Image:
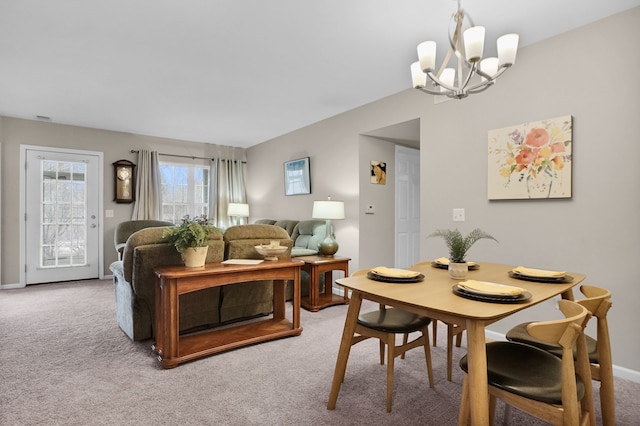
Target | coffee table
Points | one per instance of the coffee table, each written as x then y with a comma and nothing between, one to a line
173,281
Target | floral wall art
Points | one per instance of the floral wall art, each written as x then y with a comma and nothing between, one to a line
531,160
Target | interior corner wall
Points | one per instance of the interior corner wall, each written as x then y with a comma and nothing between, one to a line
376,242
595,232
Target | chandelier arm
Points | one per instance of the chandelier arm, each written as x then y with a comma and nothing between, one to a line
488,83
431,92
473,70
436,80
480,88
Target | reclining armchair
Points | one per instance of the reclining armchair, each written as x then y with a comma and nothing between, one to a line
125,229
135,283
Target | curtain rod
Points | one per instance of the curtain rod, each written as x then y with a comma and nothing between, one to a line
135,151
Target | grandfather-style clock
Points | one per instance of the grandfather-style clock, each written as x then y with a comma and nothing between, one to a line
124,178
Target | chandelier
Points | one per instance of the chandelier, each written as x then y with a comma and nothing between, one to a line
474,74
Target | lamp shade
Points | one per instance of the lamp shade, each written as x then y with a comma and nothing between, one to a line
328,210
238,209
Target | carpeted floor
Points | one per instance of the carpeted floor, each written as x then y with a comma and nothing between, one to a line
64,361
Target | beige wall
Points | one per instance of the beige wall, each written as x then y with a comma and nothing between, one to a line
114,145
595,232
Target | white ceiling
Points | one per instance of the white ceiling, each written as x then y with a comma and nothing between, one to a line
236,72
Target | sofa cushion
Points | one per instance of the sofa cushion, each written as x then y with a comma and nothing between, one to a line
299,251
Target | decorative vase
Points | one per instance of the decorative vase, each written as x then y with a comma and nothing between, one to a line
458,271
195,257
540,186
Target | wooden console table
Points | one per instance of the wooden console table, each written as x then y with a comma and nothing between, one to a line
316,265
173,281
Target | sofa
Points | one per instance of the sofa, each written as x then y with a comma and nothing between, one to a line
306,234
134,281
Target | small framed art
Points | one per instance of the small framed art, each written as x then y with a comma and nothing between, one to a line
297,179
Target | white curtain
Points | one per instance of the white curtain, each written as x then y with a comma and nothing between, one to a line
147,205
230,188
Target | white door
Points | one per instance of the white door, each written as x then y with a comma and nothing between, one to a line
407,206
62,190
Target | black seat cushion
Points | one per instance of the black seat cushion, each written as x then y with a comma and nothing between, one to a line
519,334
392,320
525,370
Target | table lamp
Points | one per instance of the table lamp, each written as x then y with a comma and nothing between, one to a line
238,210
328,210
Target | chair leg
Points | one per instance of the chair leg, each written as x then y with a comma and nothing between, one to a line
464,412
405,339
391,354
382,347
427,355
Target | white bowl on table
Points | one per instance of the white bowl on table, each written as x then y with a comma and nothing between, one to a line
271,252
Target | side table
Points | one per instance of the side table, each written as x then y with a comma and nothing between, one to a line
316,265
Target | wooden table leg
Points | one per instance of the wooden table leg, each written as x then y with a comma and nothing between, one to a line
279,297
345,347
478,388
296,299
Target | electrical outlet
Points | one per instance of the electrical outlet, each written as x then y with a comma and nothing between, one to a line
458,215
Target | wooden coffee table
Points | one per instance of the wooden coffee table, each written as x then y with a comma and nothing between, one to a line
316,265
173,281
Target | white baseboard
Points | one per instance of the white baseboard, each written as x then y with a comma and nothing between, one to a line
10,286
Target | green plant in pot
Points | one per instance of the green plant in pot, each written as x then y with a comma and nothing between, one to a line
458,247
189,239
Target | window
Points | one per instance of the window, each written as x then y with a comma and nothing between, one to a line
184,190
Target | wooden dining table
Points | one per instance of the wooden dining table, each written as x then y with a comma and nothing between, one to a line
434,297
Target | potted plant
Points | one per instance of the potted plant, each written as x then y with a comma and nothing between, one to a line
458,247
189,239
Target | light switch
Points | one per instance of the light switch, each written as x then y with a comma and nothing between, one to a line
458,215
108,213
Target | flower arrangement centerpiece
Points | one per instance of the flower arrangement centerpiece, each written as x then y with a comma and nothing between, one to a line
458,247
189,238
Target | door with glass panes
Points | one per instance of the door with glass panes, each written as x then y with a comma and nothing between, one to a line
61,216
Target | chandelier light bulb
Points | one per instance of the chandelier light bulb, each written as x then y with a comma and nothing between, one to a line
507,49
427,55
474,43
418,77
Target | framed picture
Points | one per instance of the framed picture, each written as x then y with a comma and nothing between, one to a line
531,160
379,172
296,177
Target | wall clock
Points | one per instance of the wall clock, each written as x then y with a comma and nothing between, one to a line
124,178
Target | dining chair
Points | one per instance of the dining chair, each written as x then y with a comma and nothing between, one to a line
556,390
598,302
453,331
384,324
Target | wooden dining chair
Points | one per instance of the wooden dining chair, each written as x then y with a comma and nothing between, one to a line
453,331
384,324
556,390
598,302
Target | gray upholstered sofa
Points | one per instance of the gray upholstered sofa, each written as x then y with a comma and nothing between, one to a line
134,281
306,234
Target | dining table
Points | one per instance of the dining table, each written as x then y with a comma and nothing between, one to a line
438,297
